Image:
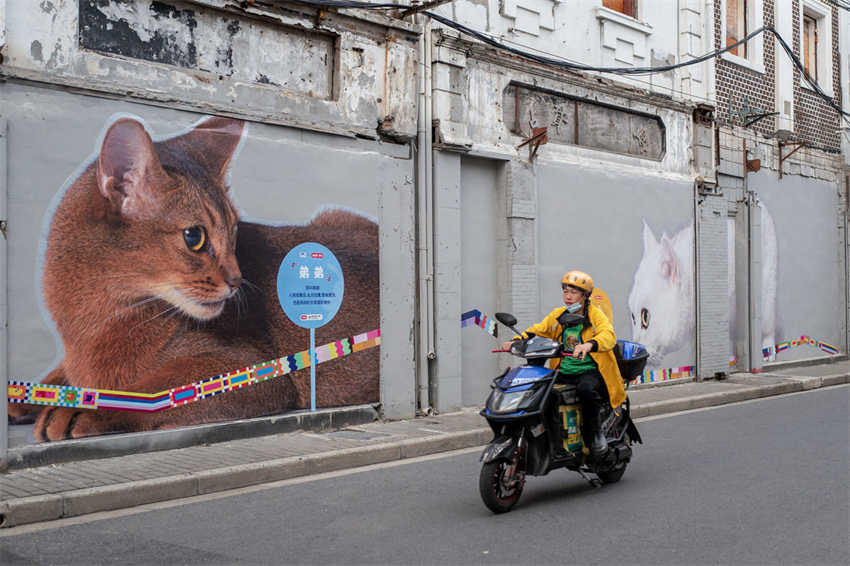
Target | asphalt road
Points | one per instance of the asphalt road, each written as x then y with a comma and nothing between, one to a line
764,482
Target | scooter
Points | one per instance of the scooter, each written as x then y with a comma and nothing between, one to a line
537,422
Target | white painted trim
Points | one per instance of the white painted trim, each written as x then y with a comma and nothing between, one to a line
755,47
603,13
823,13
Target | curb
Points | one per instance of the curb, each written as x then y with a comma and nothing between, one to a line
110,446
39,508
83,501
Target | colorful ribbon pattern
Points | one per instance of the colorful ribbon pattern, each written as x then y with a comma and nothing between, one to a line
86,398
656,375
477,318
822,346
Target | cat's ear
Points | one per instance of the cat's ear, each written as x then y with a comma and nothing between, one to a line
669,261
649,241
216,139
128,169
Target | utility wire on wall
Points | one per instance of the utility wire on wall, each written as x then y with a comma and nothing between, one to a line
573,66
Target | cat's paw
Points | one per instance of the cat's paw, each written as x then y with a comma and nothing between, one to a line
55,423
92,423
20,414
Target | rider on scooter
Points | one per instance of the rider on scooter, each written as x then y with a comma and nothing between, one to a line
596,378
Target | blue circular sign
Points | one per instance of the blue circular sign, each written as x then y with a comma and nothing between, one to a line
310,285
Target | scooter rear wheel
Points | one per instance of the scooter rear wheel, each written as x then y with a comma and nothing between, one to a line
499,494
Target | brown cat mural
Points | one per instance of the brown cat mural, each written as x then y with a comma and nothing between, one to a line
154,282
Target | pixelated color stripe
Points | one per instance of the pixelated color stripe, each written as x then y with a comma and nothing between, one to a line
801,341
86,398
653,376
479,319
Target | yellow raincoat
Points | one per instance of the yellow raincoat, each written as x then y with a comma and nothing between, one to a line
601,330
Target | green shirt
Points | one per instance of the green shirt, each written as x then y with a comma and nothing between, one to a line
570,365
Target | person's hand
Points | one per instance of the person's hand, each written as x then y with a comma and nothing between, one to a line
506,346
581,350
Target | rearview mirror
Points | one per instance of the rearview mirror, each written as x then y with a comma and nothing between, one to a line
508,320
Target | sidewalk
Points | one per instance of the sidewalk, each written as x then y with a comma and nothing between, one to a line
75,488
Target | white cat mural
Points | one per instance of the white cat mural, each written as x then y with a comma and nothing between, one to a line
662,303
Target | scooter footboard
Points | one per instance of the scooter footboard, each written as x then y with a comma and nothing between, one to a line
501,447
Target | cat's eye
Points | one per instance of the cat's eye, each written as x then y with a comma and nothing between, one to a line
644,318
195,238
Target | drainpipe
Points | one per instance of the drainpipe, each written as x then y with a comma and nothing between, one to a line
4,311
425,223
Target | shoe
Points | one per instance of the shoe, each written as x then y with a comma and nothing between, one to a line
599,446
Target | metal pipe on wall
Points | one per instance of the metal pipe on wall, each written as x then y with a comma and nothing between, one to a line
425,223
4,310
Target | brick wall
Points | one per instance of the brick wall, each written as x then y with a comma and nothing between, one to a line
814,120
738,86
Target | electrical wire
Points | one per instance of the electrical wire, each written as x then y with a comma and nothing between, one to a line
563,64
570,65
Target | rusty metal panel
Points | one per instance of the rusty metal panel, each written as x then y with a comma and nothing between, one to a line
238,48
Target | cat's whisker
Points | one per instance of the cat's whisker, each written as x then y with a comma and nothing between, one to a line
134,305
172,308
251,285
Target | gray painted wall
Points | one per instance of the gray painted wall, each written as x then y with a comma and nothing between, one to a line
810,286
593,220
482,263
281,175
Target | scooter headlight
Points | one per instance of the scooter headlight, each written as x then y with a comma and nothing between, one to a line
509,401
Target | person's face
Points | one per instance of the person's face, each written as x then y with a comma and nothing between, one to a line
572,295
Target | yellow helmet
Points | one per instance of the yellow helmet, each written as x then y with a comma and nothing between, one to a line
579,280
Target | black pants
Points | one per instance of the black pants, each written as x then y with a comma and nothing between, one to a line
592,394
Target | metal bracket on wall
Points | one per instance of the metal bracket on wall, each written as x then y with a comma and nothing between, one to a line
797,146
538,138
752,118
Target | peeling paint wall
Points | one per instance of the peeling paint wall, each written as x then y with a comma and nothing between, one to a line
288,64
472,109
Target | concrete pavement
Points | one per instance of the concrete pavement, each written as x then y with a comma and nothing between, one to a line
74,488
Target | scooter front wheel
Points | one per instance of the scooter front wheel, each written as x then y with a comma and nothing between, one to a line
500,491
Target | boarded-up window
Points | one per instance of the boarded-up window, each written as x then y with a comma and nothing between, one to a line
810,46
736,26
581,122
627,7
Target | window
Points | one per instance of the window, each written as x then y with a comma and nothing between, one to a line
627,7
736,26
810,46
816,43
739,18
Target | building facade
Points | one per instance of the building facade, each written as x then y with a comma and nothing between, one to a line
708,200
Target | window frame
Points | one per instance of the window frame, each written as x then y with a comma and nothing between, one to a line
632,3
754,60
822,14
